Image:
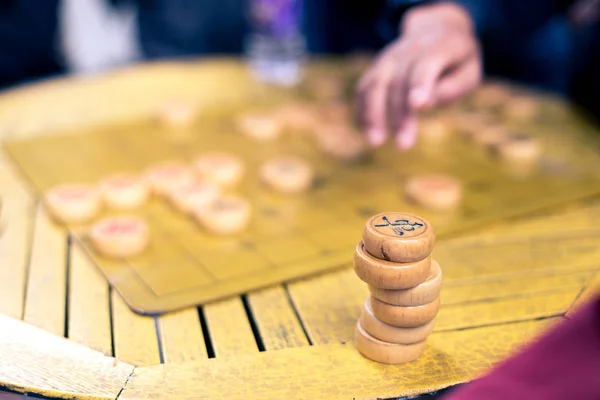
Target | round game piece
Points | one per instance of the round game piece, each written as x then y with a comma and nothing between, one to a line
120,237
124,191
405,317
392,334
384,352
166,176
73,203
177,113
423,293
521,107
188,198
398,237
287,174
490,136
434,192
336,112
223,169
519,149
326,87
259,126
340,142
224,216
433,130
297,116
492,94
389,275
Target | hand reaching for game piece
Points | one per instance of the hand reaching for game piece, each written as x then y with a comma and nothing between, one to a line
435,60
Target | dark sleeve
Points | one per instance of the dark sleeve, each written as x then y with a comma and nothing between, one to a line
179,28
564,363
482,12
28,35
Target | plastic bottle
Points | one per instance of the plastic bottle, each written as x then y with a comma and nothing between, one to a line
275,44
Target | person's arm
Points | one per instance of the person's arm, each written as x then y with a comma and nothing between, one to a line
435,60
564,363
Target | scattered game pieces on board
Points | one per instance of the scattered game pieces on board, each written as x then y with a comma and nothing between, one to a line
281,236
405,287
73,203
124,191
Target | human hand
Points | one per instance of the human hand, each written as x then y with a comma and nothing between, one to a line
435,60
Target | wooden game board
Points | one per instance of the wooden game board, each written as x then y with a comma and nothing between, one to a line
291,236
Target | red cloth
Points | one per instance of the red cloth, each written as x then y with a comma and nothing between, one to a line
564,364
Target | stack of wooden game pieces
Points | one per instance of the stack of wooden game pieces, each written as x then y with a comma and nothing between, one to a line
405,283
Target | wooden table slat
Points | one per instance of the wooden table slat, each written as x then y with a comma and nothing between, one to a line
36,361
134,335
89,311
181,336
47,281
334,371
276,319
16,225
229,328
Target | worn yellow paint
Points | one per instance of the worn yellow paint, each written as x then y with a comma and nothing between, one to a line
519,270
181,336
329,305
504,310
457,292
134,335
47,280
277,322
590,291
35,361
229,328
16,221
334,371
89,314
289,237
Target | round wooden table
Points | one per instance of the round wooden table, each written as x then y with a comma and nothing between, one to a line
65,334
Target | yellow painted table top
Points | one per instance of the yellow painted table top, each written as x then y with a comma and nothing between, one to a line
290,236
65,333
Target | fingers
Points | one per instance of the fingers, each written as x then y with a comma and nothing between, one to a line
372,100
406,135
459,82
428,70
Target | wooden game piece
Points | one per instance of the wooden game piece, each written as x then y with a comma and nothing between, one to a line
73,203
405,317
434,191
341,142
326,87
434,130
120,237
423,293
124,191
336,112
177,113
389,275
521,149
490,136
287,174
166,176
224,216
384,352
398,237
392,334
224,169
261,127
492,94
187,198
297,116
521,107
